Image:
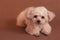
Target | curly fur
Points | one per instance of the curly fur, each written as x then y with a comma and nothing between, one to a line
33,27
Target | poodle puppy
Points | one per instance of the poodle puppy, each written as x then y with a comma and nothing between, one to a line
37,20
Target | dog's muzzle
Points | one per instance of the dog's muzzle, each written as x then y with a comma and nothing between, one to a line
38,21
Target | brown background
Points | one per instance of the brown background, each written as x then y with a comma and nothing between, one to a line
9,9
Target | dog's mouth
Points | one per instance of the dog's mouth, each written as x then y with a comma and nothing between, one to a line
38,23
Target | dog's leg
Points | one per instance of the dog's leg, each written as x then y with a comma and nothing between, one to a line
37,34
32,30
46,29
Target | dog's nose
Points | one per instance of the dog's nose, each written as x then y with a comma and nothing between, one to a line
38,21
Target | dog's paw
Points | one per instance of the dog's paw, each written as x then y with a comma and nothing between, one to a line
37,35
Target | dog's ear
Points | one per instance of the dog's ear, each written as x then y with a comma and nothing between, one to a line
28,13
22,15
51,16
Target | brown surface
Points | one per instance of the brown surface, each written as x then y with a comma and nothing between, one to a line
9,9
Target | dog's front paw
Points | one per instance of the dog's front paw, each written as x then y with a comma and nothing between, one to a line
36,34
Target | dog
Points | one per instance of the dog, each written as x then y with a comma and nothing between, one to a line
37,20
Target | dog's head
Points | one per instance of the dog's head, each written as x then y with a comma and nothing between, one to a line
39,15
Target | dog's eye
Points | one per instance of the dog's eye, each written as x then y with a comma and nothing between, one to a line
42,17
35,16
